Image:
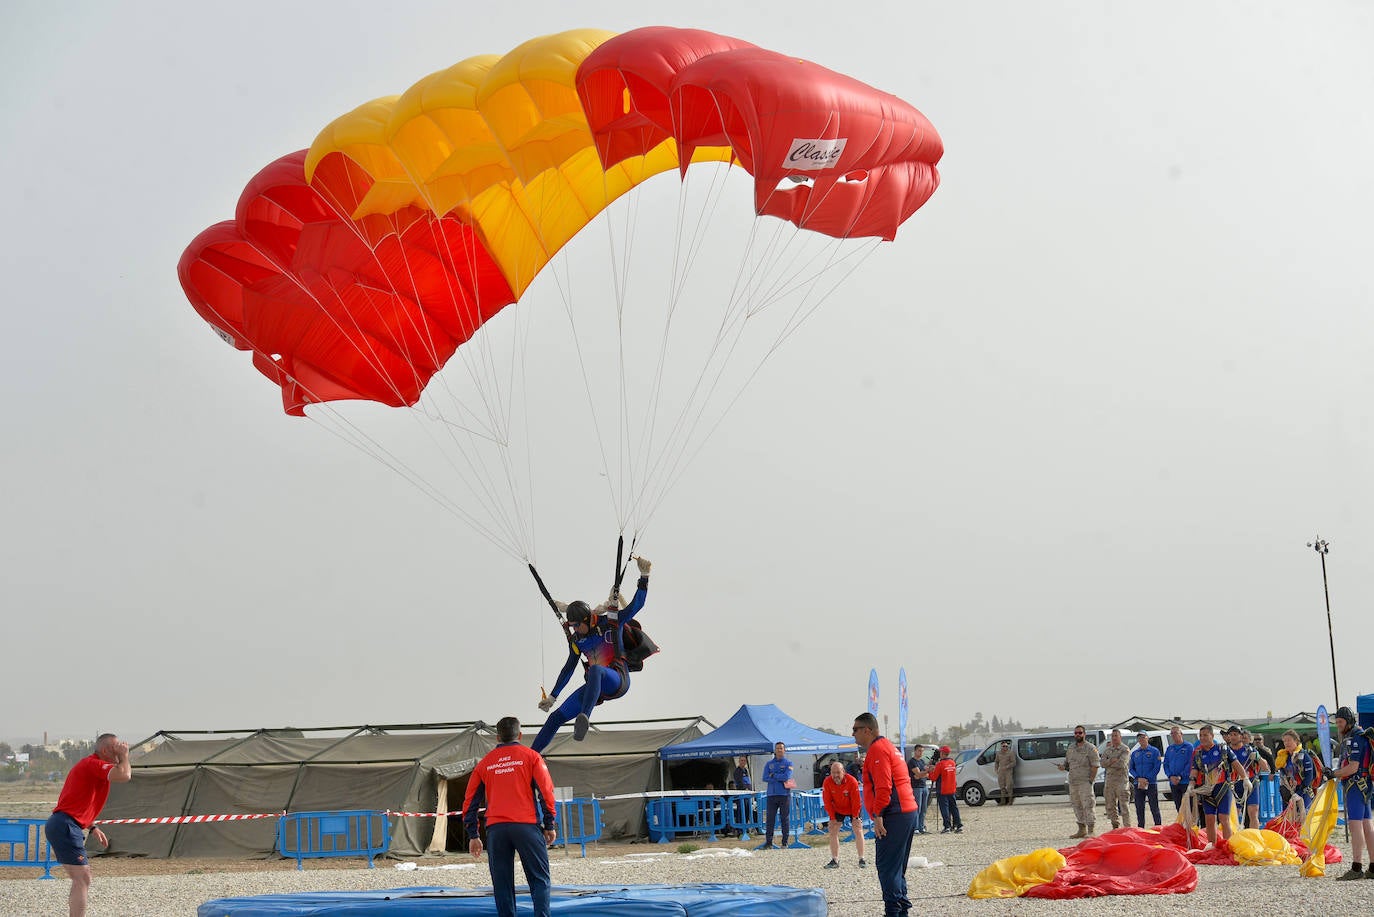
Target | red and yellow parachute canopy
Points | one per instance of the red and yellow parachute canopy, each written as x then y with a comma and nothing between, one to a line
357,268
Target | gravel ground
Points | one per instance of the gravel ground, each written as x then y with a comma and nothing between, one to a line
167,887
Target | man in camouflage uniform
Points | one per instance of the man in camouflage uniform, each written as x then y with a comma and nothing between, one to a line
1081,762
1006,770
1116,791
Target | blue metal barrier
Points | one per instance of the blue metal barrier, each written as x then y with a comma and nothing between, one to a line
1268,796
353,833
570,821
808,808
24,843
744,812
671,816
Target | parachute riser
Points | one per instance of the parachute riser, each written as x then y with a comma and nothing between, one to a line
553,606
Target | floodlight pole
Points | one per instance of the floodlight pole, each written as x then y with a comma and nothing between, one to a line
1322,549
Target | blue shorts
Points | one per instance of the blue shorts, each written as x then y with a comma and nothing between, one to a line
1217,802
66,839
1356,806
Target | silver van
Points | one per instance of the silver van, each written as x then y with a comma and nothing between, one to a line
1038,756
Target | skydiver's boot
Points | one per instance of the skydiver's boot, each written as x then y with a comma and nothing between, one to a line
580,727
1082,832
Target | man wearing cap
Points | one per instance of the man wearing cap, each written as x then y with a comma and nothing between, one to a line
1116,792
1006,770
1144,771
1081,761
947,786
1353,772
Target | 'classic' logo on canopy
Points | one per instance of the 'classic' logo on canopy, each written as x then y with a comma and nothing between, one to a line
813,155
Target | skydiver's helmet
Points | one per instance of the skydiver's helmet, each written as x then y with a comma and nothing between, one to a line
579,613
1345,713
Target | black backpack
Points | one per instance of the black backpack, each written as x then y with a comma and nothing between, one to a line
638,645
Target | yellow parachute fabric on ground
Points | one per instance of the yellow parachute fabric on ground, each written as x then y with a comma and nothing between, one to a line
1011,877
1316,828
1261,847
502,143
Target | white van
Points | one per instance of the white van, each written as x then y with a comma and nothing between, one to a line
1038,756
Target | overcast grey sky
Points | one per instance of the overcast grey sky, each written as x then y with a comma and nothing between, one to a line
1056,450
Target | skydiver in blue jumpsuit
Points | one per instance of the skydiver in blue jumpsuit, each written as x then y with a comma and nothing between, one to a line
596,634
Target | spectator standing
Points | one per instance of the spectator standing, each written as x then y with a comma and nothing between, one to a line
1144,771
1299,769
1215,770
1006,773
1247,790
919,788
1264,751
887,795
947,786
855,768
1354,773
1081,761
1178,766
506,781
777,775
840,796
82,797
740,775
1116,790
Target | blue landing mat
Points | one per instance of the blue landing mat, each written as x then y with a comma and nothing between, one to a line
701,900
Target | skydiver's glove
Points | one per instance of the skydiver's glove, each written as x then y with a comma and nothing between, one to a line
644,564
562,608
1328,773
546,703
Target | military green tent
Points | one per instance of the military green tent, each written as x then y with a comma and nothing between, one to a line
419,768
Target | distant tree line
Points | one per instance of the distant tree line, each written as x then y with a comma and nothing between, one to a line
978,726
42,764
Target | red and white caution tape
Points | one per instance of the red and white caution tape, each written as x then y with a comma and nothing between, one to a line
202,819
184,819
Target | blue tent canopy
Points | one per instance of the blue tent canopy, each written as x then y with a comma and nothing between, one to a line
753,730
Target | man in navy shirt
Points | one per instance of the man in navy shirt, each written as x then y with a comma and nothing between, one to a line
1143,772
1178,766
777,774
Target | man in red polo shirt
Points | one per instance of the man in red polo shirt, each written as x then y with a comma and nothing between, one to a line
514,785
83,796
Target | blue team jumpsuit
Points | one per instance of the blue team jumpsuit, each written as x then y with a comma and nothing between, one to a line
606,677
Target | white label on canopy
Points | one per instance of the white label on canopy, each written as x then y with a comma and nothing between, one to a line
813,155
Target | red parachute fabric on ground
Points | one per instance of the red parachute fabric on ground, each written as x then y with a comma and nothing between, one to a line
1177,835
1119,867
1220,855
1121,836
